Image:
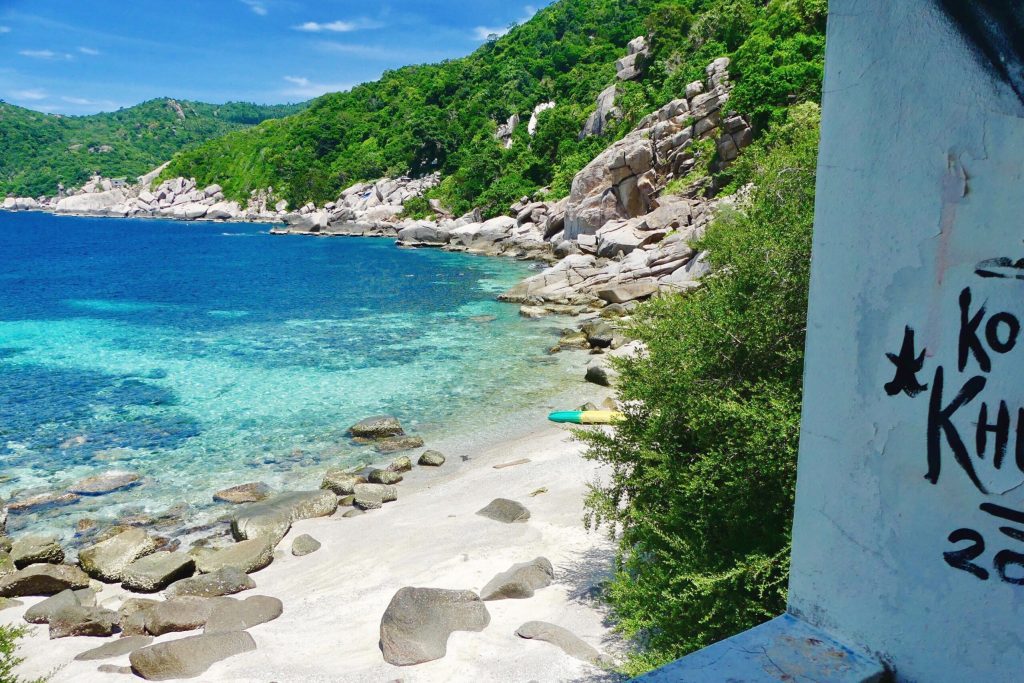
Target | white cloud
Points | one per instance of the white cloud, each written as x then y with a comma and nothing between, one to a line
33,95
91,51
303,87
485,32
44,54
5,29
257,6
339,26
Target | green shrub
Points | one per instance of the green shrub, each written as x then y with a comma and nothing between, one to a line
9,660
703,468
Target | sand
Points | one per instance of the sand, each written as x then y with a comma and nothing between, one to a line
431,537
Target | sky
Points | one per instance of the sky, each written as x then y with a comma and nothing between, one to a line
85,56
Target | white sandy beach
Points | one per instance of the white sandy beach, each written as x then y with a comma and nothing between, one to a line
431,537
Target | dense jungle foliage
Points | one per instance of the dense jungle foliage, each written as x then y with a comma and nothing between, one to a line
40,150
704,466
444,116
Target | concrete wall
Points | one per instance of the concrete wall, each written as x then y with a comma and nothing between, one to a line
904,540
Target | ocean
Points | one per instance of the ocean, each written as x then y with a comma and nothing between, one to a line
204,355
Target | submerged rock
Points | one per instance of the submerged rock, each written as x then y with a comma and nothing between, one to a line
418,621
243,493
103,484
396,444
43,500
505,510
377,427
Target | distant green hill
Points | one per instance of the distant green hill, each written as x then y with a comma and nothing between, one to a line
39,150
444,116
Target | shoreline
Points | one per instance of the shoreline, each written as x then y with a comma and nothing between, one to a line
431,537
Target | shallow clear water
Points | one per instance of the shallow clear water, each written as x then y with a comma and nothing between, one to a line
207,355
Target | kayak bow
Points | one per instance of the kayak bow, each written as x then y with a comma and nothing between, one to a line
586,417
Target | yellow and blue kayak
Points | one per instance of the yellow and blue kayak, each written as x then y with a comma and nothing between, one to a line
586,417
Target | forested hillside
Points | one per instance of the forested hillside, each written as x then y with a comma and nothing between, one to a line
40,150
444,117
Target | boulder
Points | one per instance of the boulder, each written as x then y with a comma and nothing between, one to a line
42,579
36,550
342,483
355,512
107,560
304,545
226,581
99,203
418,621
400,464
520,580
397,444
42,612
213,190
78,620
377,427
117,648
630,291
6,563
238,615
243,493
364,492
605,111
188,657
564,639
154,572
223,211
431,459
600,374
246,556
384,477
423,233
179,614
273,517
599,334
132,614
505,510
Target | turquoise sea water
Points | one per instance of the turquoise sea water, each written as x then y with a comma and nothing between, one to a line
207,355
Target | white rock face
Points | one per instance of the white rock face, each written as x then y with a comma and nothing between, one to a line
531,127
100,203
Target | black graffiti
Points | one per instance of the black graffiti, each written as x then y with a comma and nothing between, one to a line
1005,559
999,335
940,423
995,29
908,364
1002,268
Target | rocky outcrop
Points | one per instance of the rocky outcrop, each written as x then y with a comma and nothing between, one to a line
531,127
605,112
632,66
418,621
507,130
188,657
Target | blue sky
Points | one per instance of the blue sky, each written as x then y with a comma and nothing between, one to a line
81,57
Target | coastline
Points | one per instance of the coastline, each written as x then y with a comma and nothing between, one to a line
431,537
